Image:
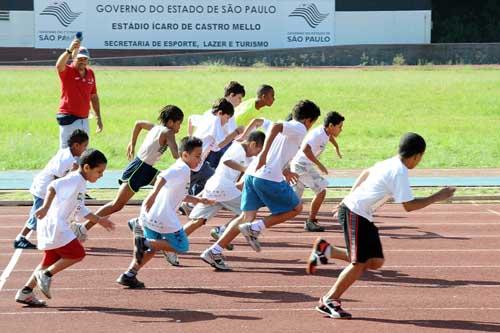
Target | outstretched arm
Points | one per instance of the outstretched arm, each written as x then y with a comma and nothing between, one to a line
309,154
336,145
443,194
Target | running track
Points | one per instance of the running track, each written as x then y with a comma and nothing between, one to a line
442,274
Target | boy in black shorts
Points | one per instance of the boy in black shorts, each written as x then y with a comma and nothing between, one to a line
364,249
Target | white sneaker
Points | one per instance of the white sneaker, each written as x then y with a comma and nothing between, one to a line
250,235
80,231
43,282
171,258
29,299
216,260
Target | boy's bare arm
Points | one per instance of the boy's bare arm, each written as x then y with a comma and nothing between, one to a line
235,166
275,130
47,202
362,177
309,154
196,200
336,145
443,194
138,126
150,199
254,123
104,221
230,137
169,138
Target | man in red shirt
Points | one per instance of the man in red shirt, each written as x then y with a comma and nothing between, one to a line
78,90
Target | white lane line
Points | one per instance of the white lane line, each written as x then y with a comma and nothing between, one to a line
10,266
371,286
89,252
494,212
246,269
75,310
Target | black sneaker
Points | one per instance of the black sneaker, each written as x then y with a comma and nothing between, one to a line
139,248
130,282
88,197
313,226
332,309
23,243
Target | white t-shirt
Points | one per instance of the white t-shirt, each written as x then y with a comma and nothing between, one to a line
54,230
162,217
386,178
283,149
211,134
58,167
221,186
198,120
317,139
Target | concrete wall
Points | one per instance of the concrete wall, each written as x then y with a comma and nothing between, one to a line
18,31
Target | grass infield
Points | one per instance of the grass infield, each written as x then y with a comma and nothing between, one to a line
456,109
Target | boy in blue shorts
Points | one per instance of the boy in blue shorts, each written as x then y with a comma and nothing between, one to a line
363,246
266,183
162,230
65,160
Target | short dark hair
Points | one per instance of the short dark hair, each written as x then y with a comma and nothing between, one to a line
258,137
305,109
411,144
289,117
333,118
93,158
234,88
264,89
189,143
224,106
78,136
170,112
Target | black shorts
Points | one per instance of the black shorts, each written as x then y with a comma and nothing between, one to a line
138,174
361,236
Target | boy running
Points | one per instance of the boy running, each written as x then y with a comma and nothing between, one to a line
266,183
140,171
363,246
161,228
63,161
303,165
221,187
63,203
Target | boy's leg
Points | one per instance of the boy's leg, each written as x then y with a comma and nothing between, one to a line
21,241
316,204
129,277
193,225
125,193
26,295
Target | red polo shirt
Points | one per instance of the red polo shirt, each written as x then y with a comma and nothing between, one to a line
76,91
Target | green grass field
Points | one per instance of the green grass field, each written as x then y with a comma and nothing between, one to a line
457,109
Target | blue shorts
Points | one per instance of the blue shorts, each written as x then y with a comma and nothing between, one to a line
138,174
258,192
177,240
32,220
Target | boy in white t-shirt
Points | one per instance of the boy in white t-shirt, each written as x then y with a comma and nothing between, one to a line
65,160
221,187
266,183
141,172
303,165
214,138
364,249
65,201
161,228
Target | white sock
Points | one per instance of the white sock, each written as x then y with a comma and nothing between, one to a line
258,225
216,249
18,237
222,228
83,229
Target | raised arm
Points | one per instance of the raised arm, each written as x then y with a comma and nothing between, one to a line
139,125
230,137
63,58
